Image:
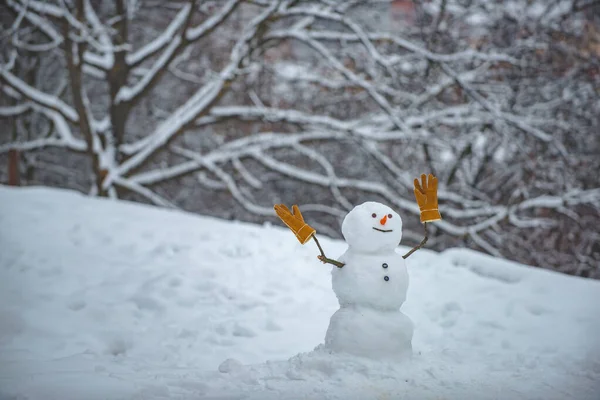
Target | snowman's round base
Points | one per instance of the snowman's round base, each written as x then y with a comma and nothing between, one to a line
369,332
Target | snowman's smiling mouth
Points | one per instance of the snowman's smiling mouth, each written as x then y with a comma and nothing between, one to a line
381,230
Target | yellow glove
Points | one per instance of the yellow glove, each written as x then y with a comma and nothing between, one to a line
426,195
295,222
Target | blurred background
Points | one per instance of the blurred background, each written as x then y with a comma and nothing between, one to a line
226,107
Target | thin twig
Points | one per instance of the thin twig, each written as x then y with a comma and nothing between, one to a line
417,247
324,258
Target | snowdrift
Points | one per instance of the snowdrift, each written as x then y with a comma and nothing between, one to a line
113,300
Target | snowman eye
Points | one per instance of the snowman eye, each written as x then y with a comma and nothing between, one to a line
389,215
374,215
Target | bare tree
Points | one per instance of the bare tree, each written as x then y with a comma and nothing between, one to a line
272,101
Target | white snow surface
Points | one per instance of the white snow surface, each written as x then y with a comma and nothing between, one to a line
102,299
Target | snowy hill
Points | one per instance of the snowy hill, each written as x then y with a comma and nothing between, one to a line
113,300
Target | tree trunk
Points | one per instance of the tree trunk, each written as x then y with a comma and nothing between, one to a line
14,178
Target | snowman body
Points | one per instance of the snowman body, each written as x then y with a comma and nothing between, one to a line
378,281
371,333
371,287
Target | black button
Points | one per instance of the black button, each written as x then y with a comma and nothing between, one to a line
384,265
386,278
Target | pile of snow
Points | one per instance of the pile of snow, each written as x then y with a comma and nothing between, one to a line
112,300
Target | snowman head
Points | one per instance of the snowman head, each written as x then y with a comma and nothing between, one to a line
372,227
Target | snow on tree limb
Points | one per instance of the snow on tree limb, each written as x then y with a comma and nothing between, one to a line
37,96
451,115
248,177
39,144
334,62
568,199
64,137
127,94
41,7
243,147
200,31
361,35
63,130
407,45
145,192
210,161
200,101
44,25
12,111
174,44
345,98
107,60
167,35
228,181
488,106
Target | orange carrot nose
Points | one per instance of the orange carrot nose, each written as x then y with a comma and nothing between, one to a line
383,220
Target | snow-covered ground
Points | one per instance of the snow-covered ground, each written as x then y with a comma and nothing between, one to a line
113,300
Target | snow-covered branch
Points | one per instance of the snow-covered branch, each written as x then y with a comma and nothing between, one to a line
39,144
167,36
335,63
37,96
327,103
465,55
13,111
145,192
257,148
200,101
173,44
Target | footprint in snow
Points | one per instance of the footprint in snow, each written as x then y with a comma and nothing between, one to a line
235,252
205,286
76,305
117,346
220,341
492,325
230,365
272,326
536,309
197,388
237,330
450,313
153,391
268,293
187,333
242,331
175,282
50,272
187,302
250,305
147,303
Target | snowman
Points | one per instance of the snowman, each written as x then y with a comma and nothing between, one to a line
370,279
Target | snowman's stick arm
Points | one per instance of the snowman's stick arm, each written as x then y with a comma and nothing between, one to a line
324,258
417,247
